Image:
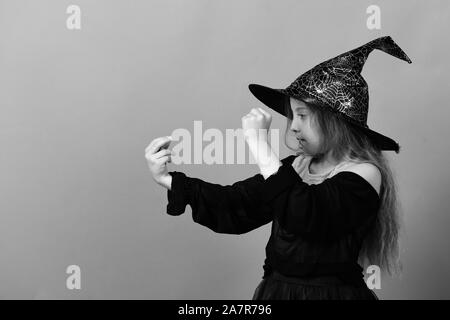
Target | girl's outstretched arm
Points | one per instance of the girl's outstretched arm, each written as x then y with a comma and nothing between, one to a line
230,209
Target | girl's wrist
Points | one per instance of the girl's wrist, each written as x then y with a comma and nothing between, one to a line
270,166
255,135
267,161
166,181
266,172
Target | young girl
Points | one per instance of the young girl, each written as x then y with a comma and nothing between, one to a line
332,205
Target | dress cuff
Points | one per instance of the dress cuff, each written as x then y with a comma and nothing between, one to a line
178,196
278,182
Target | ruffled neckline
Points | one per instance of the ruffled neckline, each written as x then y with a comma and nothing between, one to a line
302,164
308,170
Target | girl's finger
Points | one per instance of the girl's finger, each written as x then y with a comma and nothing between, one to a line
166,152
162,160
162,153
264,112
157,142
151,144
162,144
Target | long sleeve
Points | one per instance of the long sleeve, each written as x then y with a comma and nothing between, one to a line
323,212
230,209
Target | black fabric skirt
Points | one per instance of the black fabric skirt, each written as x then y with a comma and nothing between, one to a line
279,287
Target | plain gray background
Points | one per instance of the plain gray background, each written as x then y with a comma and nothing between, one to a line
78,108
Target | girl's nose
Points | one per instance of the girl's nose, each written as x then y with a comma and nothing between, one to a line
294,127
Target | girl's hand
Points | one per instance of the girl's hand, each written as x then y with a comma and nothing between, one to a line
158,156
256,124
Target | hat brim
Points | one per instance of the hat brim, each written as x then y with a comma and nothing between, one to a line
275,99
381,141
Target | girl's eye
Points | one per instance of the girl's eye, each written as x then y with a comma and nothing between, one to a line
301,115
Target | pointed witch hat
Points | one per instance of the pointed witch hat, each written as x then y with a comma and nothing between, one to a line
338,84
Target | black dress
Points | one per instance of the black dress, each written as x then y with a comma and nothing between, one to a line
317,230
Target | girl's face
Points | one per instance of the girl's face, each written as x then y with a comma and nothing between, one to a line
304,127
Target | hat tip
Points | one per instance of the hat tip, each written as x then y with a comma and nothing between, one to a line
252,87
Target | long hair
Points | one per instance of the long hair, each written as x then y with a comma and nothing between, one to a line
346,143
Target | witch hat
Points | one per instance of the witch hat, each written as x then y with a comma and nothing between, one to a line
338,84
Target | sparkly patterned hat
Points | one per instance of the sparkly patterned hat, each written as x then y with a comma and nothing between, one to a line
338,84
